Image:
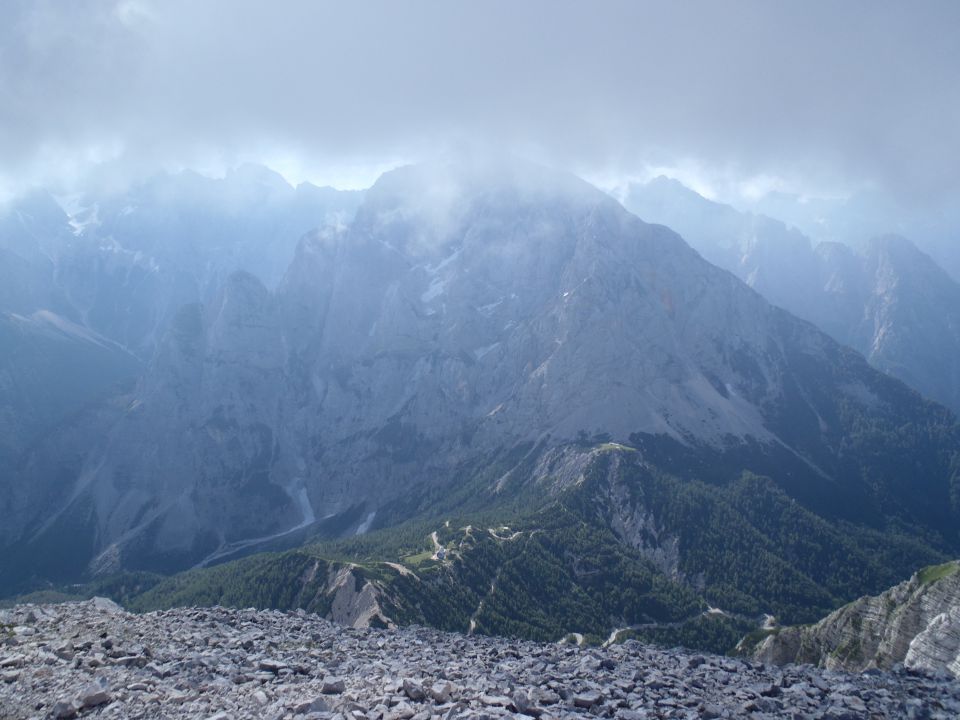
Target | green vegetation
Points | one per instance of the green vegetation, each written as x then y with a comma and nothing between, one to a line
849,651
749,546
41,596
929,575
416,561
628,545
559,574
280,581
752,640
122,587
713,633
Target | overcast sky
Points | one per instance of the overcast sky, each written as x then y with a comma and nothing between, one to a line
821,97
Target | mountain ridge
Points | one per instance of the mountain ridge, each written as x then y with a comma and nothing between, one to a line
886,299
438,354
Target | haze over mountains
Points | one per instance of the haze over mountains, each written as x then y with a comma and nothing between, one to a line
888,300
87,296
594,327
492,338
856,219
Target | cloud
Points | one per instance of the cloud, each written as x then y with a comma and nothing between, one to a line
805,94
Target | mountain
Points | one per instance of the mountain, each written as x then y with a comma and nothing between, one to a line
889,300
856,219
50,370
916,623
33,231
621,551
122,263
506,345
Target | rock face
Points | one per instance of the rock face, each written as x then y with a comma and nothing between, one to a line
63,660
355,601
889,300
122,264
915,624
50,369
89,287
463,313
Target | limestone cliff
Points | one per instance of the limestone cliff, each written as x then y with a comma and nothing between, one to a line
916,623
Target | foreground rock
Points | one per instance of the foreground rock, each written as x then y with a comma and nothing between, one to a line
916,623
93,659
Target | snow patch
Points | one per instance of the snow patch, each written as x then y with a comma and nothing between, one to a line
89,218
437,287
479,353
487,310
434,269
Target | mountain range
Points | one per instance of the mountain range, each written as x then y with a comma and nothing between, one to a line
600,428
887,299
121,263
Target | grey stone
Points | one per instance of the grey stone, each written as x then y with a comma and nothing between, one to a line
441,692
587,699
414,690
273,666
317,705
94,695
333,686
710,711
197,656
495,700
64,710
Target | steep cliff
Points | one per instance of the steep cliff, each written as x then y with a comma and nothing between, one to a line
916,623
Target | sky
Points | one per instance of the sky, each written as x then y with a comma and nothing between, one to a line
739,97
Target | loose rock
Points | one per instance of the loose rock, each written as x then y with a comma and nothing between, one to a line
243,664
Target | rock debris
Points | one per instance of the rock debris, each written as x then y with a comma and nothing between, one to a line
93,659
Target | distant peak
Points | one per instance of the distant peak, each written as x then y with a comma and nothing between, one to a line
39,203
666,181
454,180
891,241
667,189
259,174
